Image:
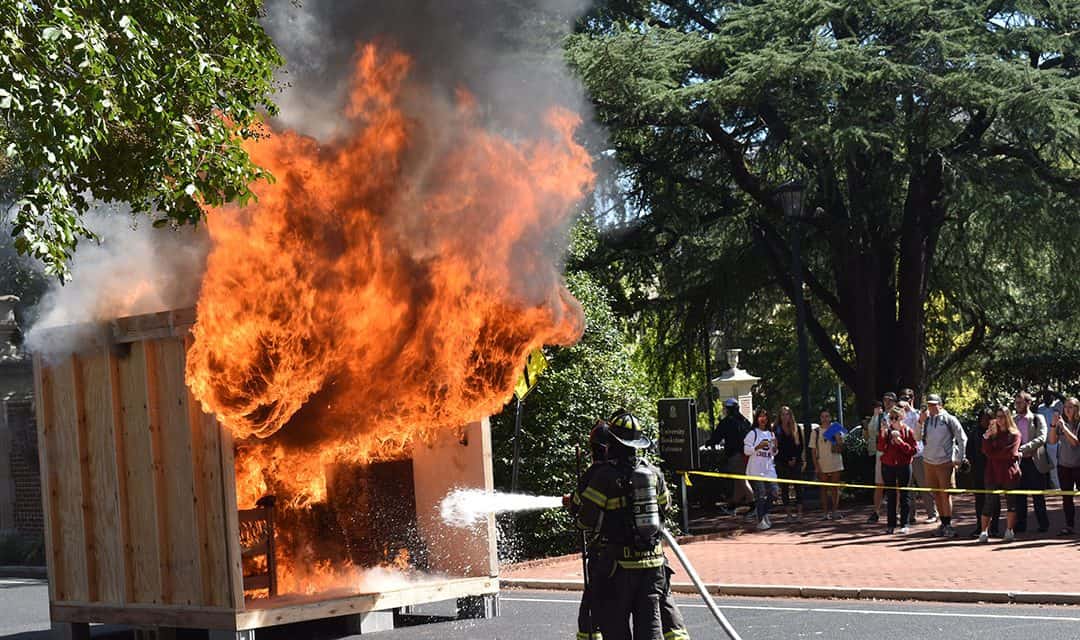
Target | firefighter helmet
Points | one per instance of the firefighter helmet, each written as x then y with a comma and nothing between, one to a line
626,429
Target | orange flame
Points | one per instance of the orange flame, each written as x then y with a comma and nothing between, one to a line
387,286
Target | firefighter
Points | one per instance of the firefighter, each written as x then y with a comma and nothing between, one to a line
620,505
587,627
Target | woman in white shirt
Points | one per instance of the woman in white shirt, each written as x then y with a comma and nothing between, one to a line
760,448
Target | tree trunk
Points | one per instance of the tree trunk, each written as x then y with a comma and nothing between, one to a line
923,213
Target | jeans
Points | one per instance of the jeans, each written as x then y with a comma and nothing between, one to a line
899,476
992,506
764,493
1070,481
787,473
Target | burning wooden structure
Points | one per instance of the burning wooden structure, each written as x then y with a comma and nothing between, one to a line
143,526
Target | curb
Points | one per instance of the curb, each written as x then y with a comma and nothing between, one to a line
23,572
846,593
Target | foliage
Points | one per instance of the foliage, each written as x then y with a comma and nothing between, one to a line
937,141
583,383
144,102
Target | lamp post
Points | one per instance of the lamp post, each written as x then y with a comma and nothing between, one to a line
712,343
790,194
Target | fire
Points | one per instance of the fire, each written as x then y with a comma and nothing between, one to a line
388,285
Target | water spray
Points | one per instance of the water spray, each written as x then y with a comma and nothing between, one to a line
464,508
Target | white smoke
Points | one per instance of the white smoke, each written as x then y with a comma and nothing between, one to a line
132,269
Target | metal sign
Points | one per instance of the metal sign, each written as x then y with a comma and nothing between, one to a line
677,418
534,366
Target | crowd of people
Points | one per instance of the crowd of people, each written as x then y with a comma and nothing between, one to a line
1009,447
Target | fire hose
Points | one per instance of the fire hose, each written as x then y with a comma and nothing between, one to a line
728,629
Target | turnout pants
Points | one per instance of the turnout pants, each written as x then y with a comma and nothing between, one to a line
620,594
671,620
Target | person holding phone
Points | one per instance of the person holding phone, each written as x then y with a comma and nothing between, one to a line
1065,433
896,442
1001,444
760,449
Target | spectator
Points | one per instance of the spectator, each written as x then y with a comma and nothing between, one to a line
790,463
879,420
896,442
1066,434
1034,463
977,458
731,431
1001,445
829,463
1049,408
944,445
918,469
760,449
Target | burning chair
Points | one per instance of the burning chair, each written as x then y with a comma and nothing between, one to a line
139,486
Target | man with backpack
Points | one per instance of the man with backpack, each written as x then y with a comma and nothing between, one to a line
944,449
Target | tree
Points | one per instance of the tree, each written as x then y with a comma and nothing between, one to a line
142,102
915,125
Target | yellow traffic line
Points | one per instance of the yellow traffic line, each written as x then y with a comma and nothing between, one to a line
815,483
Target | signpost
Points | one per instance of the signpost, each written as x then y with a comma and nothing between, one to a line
677,418
534,366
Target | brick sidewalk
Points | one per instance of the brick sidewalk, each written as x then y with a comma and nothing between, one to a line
852,553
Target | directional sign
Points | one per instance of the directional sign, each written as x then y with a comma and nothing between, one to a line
534,366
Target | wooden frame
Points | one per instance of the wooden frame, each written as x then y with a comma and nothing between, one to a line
138,484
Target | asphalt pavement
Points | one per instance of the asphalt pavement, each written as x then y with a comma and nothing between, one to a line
544,615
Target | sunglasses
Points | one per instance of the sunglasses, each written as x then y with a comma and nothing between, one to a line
894,419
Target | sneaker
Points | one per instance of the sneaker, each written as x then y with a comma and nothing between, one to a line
873,518
904,530
948,531
763,525
828,516
1066,531
839,516
984,537
931,518
789,518
889,531
1009,536
940,531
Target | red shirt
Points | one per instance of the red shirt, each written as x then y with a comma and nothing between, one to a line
1002,460
896,454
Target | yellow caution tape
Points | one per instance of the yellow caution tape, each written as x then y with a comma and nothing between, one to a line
816,483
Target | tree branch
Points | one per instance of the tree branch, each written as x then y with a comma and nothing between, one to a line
1038,165
813,326
688,10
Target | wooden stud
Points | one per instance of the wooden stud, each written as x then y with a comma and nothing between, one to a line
105,552
140,510
44,429
209,502
66,481
123,528
232,519
181,576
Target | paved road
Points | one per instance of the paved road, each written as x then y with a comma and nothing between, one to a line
540,615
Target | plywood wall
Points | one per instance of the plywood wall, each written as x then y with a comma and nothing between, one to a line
139,507
455,460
